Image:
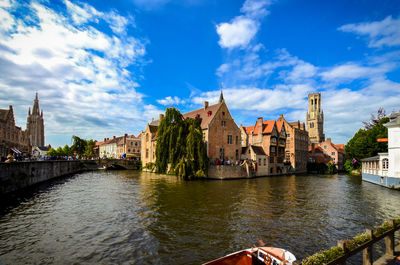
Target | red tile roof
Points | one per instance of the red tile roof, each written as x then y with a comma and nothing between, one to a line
249,129
268,126
382,140
206,115
279,125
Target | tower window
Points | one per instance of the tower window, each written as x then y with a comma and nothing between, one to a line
311,125
312,102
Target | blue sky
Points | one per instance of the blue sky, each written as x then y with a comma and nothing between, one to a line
105,68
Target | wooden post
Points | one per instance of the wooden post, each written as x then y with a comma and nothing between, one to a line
342,245
367,252
389,241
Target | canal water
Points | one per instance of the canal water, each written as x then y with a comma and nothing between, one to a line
130,217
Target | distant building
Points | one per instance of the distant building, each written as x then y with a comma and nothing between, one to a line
128,146
149,140
271,139
384,169
315,118
335,152
296,150
12,138
317,155
108,149
35,124
257,154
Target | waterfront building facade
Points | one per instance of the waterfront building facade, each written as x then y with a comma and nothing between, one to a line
108,149
315,118
335,152
265,134
259,157
220,131
296,149
35,124
384,169
12,138
128,146
149,141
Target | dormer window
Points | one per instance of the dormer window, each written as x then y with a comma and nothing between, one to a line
209,113
197,116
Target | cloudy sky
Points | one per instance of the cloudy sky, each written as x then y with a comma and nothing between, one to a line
105,68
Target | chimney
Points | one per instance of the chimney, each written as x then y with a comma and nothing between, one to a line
259,128
205,105
105,139
125,134
161,116
113,136
329,140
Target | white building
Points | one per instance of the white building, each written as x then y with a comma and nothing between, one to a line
384,169
108,149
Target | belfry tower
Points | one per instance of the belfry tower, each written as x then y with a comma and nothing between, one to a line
35,124
315,118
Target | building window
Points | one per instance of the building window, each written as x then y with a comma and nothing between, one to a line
221,153
273,149
237,154
265,161
237,139
209,113
333,153
325,147
223,123
229,139
147,153
131,143
287,156
249,150
385,163
312,102
129,150
271,159
311,125
259,162
288,135
147,137
273,140
223,113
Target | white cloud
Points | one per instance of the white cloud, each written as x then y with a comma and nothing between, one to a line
351,71
168,101
85,77
241,30
380,33
237,33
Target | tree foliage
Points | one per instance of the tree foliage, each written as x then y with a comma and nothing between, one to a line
82,147
180,147
364,142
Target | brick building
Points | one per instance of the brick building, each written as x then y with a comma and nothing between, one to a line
148,141
265,134
296,150
129,146
257,154
220,133
12,138
335,152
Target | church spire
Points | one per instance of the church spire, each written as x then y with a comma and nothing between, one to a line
35,109
221,97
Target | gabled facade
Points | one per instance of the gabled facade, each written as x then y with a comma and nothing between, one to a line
148,142
128,146
336,154
12,138
296,150
108,149
220,132
272,140
259,157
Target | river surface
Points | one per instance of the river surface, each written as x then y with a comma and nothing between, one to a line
131,217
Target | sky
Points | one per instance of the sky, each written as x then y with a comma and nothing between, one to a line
105,68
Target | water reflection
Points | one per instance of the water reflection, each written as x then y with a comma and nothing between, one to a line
127,217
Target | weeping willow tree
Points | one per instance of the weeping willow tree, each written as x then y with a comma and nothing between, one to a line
180,146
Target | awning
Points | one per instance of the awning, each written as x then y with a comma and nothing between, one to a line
133,155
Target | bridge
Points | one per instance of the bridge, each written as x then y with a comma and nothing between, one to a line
111,164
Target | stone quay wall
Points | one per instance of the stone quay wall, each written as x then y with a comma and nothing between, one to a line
227,172
18,175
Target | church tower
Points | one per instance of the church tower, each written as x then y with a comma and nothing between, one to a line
315,118
35,124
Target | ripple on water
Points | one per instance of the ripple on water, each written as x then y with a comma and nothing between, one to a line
127,217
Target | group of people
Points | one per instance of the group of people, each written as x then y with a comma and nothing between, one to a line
224,162
12,158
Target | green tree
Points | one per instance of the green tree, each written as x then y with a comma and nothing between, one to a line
180,146
67,150
79,145
89,149
60,151
52,152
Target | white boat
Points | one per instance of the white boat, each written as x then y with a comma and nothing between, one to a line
256,256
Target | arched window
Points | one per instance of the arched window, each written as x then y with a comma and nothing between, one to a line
316,102
311,125
312,102
147,137
385,163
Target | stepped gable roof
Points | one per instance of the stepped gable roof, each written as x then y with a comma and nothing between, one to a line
153,128
279,125
258,150
249,129
268,126
203,114
3,114
155,123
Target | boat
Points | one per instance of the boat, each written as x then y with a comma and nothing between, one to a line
256,256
